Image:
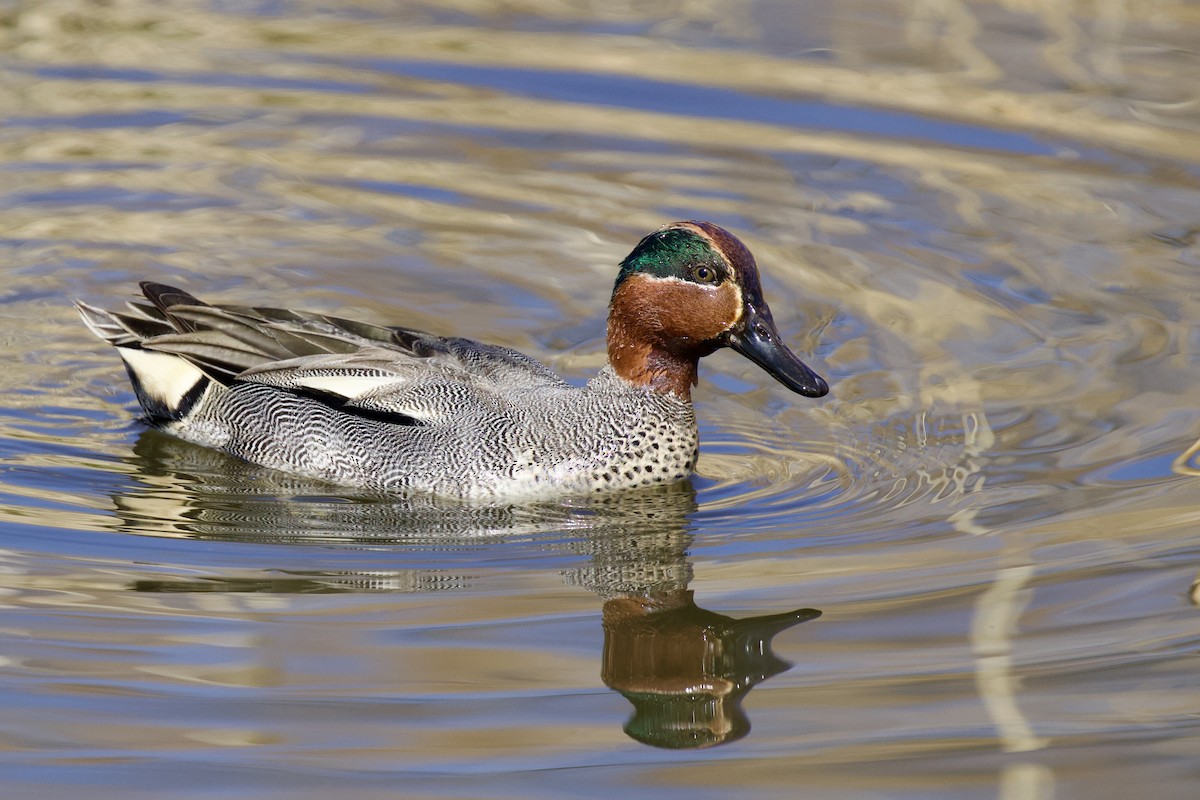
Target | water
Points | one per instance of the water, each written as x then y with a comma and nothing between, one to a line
979,221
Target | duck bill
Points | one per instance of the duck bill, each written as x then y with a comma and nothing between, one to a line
757,339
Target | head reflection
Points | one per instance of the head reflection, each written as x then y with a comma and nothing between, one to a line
686,669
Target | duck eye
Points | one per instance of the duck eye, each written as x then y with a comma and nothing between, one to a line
703,274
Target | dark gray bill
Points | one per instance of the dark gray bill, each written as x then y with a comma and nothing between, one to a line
757,339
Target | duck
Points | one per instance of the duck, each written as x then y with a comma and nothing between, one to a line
401,411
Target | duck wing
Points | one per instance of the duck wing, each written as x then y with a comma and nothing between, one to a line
382,381
358,362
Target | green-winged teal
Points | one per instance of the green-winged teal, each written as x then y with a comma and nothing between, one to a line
400,410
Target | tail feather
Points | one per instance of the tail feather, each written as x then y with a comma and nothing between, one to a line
142,327
176,346
167,386
102,323
142,310
164,295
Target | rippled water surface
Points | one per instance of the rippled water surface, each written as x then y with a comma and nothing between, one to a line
979,220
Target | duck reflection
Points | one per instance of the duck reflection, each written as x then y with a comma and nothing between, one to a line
684,669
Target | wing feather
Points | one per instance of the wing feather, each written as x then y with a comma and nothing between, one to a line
360,365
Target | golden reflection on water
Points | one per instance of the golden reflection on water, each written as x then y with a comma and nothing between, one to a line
686,669
980,218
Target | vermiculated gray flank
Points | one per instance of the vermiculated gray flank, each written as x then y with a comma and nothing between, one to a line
394,409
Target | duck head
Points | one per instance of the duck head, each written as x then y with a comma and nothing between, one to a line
687,290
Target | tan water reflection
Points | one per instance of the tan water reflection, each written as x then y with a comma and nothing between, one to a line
686,669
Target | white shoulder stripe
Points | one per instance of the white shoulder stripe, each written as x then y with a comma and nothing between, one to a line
350,387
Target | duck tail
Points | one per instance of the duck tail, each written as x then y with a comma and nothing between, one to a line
167,386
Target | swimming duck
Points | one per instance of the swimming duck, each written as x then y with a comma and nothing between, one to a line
400,410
